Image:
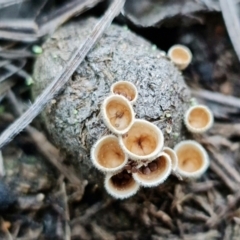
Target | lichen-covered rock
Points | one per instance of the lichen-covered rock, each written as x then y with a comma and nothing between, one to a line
73,119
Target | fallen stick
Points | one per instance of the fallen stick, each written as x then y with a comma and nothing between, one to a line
59,82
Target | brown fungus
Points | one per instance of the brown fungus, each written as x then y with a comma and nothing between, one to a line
118,114
198,119
180,55
121,185
143,141
107,155
126,89
155,173
173,156
193,159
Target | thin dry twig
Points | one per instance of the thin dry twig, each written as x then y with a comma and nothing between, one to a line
197,187
66,212
6,85
232,22
214,220
2,169
52,154
17,36
65,13
58,83
226,130
6,3
224,164
217,97
20,24
91,211
228,182
16,54
44,146
49,24
11,70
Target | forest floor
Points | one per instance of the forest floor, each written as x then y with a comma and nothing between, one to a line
40,203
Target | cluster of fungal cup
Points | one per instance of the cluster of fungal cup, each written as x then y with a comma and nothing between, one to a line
134,154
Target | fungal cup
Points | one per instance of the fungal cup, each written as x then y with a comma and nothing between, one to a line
121,185
144,141
198,119
173,156
180,55
193,159
126,89
155,173
118,114
107,155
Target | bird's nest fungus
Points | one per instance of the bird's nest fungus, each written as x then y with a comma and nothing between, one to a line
126,105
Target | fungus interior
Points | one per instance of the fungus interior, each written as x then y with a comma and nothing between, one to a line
179,55
157,172
125,89
109,154
119,114
199,117
122,181
141,139
171,154
190,158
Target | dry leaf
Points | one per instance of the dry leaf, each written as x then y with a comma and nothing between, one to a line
154,12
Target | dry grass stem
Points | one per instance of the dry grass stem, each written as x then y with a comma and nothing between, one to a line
59,82
217,97
44,146
231,19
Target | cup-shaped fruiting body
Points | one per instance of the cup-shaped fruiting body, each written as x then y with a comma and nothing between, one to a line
173,156
121,185
193,159
198,119
144,141
180,55
118,114
107,155
155,172
126,89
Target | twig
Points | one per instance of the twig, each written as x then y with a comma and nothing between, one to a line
19,24
49,24
91,211
58,83
63,14
224,164
45,147
16,54
232,22
197,187
18,36
66,212
101,233
6,3
6,85
12,70
226,130
20,72
217,97
214,220
230,184
3,63
2,170
52,154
